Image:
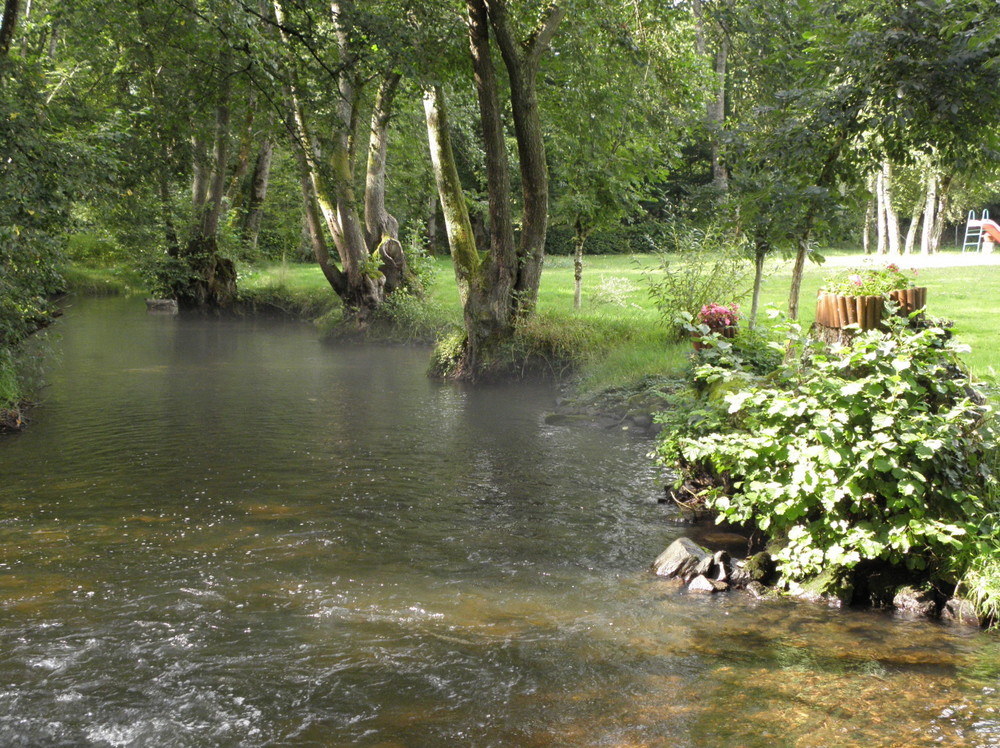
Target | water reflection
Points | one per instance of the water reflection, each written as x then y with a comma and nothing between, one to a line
225,532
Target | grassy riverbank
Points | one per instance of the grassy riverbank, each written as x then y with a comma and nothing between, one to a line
618,337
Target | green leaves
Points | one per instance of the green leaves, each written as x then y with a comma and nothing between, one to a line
848,455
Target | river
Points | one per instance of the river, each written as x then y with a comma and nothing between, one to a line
227,532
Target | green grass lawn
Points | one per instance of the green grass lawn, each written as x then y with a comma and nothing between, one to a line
619,324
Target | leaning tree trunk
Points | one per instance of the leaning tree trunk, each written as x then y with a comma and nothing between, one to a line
314,228
480,325
333,185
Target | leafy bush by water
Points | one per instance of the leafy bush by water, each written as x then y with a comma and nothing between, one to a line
876,451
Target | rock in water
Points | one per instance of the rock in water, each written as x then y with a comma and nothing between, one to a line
162,306
681,559
703,584
910,600
961,610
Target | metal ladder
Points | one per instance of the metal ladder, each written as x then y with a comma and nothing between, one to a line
974,231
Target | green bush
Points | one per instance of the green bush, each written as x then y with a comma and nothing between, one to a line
706,266
878,450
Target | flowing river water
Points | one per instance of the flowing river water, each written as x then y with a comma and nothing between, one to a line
226,532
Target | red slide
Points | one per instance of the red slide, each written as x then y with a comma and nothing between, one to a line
992,230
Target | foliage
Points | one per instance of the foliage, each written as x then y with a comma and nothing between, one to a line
35,183
869,280
709,266
422,267
10,389
878,450
407,316
628,238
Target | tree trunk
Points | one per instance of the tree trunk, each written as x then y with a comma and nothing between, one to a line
333,185
579,238
717,117
235,193
11,10
521,62
880,212
257,195
798,268
482,327
808,220
930,213
213,278
199,174
314,227
760,255
942,209
166,208
501,267
911,231
866,230
891,220
432,224
381,228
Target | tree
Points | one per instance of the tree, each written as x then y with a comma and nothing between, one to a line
500,286
372,263
618,94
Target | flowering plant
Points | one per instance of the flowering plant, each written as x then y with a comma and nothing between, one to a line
717,316
869,281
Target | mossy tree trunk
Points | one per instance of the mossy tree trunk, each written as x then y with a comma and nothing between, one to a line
211,278
498,285
371,261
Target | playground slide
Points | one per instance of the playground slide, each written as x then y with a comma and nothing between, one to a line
992,230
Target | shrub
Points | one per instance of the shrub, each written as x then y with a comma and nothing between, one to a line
869,281
879,450
709,267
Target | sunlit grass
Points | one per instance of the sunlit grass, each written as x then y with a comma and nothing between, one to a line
620,331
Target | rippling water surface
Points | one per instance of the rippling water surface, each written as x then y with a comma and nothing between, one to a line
229,533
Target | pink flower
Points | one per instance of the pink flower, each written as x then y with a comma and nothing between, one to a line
855,279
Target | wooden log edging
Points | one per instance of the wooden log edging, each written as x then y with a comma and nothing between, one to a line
838,311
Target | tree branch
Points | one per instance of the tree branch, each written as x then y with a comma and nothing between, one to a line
539,40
